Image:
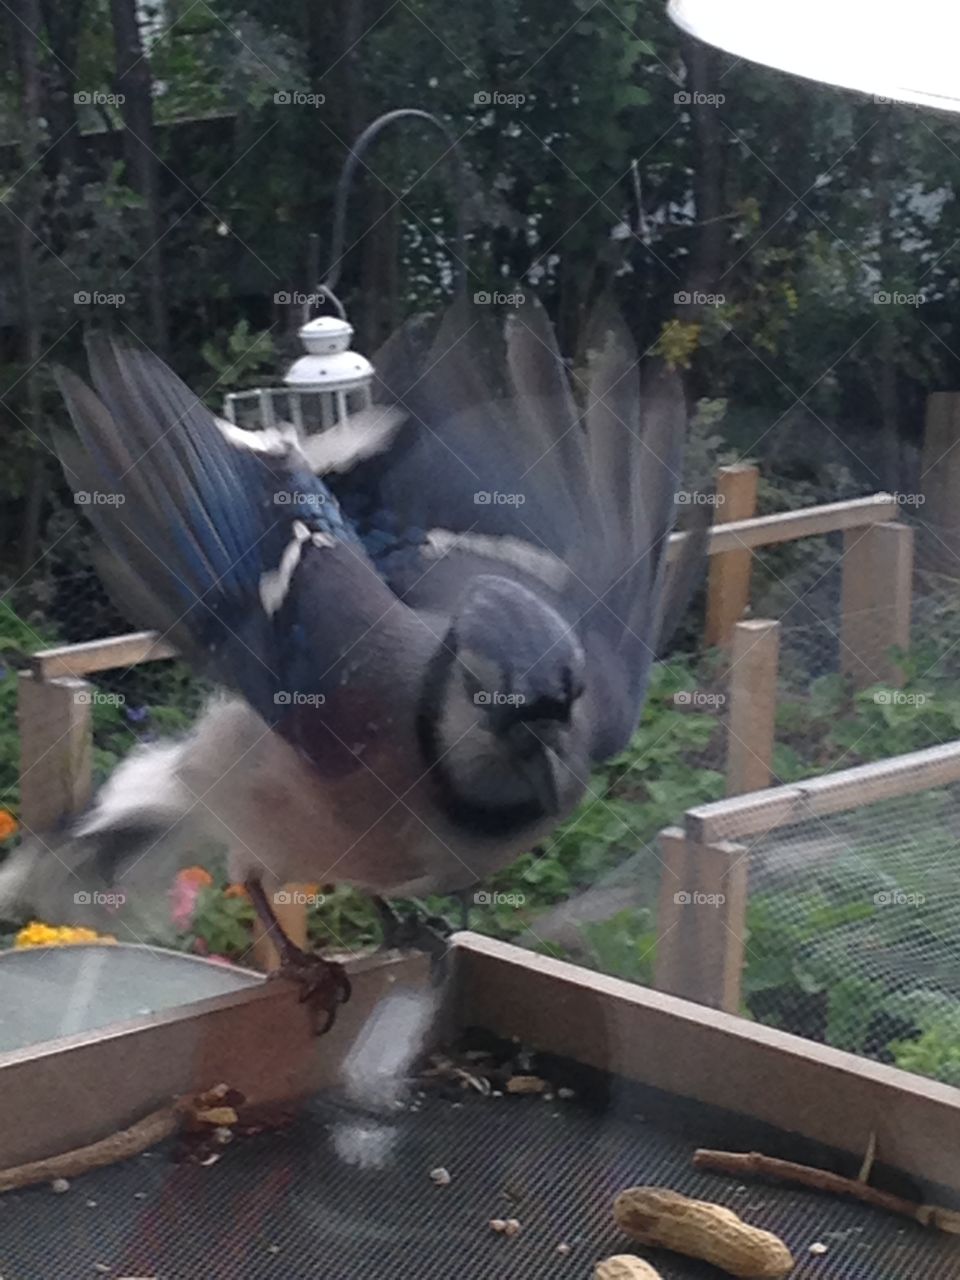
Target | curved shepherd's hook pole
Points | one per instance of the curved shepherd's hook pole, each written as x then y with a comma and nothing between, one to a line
329,284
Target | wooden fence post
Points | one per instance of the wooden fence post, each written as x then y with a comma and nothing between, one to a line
752,705
940,481
876,599
728,584
56,749
701,920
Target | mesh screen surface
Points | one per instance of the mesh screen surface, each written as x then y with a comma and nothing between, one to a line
287,1205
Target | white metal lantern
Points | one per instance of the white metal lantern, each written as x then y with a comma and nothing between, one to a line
329,382
321,388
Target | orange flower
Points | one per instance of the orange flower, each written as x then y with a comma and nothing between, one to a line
8,824
198,876
235,891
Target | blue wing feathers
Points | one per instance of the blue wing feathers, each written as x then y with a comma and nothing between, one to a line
201,522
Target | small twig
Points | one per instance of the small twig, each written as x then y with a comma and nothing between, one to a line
738,1163
118,1146
867,1167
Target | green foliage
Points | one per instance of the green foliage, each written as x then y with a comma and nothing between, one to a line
344,919
222,925
935,1052
625,945
240,359
17,639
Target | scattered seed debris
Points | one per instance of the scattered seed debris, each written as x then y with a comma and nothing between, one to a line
566,1092
505,1226
563,1248
818,1248
526,1084
103,1267
441,1177
219,1117
59,1185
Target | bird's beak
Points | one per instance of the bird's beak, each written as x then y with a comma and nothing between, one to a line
543,771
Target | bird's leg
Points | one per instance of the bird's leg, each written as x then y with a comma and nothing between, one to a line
324,983
413,930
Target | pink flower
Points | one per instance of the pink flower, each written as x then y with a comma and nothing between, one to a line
183,901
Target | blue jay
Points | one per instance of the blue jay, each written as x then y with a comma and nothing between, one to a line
429,623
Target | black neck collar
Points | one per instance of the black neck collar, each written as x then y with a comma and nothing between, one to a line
460,809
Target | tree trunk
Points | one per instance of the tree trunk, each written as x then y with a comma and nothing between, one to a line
27,44
62,19
135,82
888,383
706,259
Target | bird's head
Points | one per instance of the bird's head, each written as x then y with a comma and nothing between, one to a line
508,736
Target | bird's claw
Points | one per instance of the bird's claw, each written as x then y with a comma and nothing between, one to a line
324,984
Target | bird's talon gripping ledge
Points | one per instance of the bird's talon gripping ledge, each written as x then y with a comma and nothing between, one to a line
323,983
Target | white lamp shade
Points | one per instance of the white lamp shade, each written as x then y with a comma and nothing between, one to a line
342,371
893,51
329,364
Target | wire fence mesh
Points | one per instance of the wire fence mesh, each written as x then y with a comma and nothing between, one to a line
852,927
